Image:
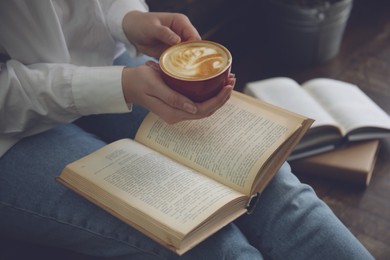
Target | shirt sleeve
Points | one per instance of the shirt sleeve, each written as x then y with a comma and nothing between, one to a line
106,87
55,93
115,11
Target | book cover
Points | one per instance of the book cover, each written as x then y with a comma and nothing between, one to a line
352,163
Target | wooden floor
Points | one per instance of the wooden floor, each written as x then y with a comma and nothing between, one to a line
364,59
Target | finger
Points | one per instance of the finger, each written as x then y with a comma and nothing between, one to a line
190,35
169,114
154,65
167,36
213,104
173,115
184,28
173,98
232,81
159,90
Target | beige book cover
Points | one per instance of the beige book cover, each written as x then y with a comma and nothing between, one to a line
352,163
180,183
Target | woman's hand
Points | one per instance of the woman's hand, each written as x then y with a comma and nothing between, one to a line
143,85
151,33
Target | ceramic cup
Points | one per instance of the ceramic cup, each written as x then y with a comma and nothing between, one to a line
196,69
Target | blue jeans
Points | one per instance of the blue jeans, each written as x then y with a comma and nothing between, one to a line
289,222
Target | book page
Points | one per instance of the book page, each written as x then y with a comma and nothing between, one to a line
231,145
159,189
288,94
347,104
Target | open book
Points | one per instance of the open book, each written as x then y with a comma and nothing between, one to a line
181,183
342,112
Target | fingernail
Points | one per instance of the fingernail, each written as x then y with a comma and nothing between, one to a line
190,108
228,94
153,65
174,39
233,81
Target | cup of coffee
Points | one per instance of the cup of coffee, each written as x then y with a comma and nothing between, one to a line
196,69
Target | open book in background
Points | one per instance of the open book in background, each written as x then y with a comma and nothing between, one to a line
353,163
180,183
342,112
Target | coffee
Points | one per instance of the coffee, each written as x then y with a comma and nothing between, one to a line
196,69
195,60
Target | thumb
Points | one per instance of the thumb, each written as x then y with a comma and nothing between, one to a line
167,36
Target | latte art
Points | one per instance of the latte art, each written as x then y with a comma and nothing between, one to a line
195,61
196,69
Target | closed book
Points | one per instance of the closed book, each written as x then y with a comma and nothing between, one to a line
352,163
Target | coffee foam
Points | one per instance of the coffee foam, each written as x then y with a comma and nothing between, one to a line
195,60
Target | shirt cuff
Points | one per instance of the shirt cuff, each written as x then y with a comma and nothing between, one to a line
98,90
115,16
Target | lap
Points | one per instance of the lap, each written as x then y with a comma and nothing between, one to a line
35,207
290,220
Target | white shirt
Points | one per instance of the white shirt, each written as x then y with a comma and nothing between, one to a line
59,52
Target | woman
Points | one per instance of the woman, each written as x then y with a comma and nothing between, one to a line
61,98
